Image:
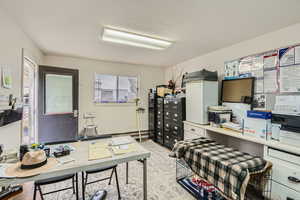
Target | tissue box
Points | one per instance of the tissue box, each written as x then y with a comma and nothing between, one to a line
260,127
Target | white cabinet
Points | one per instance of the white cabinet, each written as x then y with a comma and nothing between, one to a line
280,192
200,95
286,174
191,132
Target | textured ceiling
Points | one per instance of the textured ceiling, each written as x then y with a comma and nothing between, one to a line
73,27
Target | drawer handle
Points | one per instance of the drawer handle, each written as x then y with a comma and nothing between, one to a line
294,179
192,129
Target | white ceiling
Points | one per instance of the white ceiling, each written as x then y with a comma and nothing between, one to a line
72,27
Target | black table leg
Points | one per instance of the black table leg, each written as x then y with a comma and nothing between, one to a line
83,186
127,173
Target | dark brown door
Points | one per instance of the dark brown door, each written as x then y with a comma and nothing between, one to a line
57,104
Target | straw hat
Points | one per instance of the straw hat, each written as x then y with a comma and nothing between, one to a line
33,163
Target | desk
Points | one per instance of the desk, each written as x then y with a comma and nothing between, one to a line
82,164
227,132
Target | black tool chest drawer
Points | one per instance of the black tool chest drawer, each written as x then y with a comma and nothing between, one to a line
174,115
167,120
152,113
160,136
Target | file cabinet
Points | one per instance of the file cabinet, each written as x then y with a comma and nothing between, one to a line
160,121
174,115
152,113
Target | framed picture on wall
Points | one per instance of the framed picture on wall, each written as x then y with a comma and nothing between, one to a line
6,78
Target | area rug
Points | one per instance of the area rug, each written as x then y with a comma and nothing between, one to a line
162,184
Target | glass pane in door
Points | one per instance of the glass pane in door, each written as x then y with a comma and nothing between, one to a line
58,94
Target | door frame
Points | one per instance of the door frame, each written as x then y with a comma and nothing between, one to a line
35,103
43,70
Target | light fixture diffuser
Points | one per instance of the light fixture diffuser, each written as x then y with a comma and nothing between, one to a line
134,39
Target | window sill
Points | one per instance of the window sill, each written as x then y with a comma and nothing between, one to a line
116,104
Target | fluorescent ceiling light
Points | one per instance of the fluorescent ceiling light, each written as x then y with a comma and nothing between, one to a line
133,39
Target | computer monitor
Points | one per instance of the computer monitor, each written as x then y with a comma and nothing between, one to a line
238,90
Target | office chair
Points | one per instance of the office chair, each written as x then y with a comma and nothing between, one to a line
38,184
85,175
58,179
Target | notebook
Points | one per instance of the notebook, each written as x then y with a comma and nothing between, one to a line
120,141
126,148
99,150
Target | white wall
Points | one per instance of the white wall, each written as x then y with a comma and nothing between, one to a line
12,40
215,61
112,118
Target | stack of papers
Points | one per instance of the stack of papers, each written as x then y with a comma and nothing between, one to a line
2,171
65,159
288,104
122,149
120,141
98,150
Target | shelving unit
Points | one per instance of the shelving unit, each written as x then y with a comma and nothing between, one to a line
273,144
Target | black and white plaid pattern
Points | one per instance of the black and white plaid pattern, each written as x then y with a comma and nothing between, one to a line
181,147
226,168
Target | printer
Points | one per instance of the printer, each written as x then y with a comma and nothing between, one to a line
286,129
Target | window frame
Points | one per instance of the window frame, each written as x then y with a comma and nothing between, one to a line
97,99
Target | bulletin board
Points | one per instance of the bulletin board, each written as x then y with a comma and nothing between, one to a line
277,78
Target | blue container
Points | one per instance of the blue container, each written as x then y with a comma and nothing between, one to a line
259,114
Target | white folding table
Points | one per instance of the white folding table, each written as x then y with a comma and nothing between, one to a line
82,163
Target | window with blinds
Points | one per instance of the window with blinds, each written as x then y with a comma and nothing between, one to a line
115,89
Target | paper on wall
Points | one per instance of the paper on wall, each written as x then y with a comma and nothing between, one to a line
287,104
297,55
245,65
270,61
231,68
259,86
258,63
270,81
259,102
290,78
287,56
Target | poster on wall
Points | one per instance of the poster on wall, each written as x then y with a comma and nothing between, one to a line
270,73
270,60
245,65
287,56
257,71
297,55
259,102
231,68
290,78
6,78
